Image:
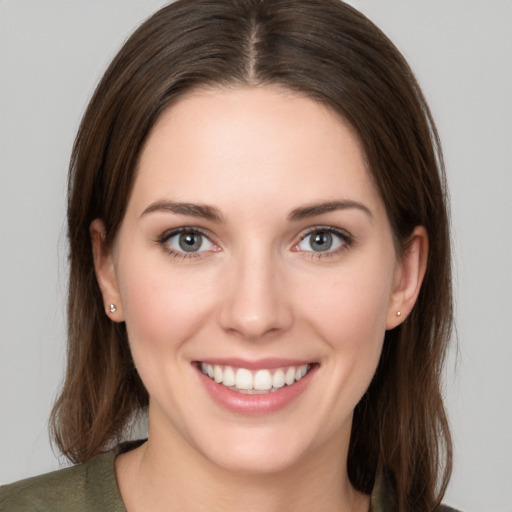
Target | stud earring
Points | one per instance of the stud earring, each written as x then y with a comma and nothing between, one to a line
398,313
113,308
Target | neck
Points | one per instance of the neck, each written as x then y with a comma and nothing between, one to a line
167,470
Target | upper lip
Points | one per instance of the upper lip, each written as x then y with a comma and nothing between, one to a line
255,364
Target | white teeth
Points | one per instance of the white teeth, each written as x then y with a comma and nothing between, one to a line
262,380
278,379
243,380
290,376
229,377
217,374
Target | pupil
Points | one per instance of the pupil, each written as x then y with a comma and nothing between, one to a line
190,242
322,241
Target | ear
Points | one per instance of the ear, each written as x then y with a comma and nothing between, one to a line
408,278
105,272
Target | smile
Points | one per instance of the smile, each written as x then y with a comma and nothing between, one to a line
260,381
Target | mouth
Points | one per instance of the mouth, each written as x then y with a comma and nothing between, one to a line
254,381
258,387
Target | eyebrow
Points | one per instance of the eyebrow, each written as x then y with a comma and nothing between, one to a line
202,211
207,212
313,210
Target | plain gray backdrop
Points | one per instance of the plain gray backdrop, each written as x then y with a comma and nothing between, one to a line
52,53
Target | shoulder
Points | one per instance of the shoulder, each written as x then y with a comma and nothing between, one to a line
85,487
61,488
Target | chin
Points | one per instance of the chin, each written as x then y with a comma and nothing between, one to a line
259,451
256,460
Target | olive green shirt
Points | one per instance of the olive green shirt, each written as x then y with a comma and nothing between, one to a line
92,487
89,487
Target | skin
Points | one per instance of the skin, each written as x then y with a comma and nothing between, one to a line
255,289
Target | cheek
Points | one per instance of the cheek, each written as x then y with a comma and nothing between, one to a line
163,311
353,307
162,308
349,314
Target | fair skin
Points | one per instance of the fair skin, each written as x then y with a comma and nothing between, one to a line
258,280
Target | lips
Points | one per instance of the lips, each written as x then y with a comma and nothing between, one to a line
251,388
244,380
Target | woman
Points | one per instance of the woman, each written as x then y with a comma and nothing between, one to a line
260,257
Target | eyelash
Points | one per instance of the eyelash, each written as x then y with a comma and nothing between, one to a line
346,242
345,238
165,237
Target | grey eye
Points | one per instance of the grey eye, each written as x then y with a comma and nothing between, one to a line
189,241
321,240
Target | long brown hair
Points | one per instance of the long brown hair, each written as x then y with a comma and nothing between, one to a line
330,52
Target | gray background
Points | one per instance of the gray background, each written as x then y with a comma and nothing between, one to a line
52,52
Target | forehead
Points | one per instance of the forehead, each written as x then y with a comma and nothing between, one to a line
251,142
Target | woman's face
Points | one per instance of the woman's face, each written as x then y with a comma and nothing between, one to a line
256,249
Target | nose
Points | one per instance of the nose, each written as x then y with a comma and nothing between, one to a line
256,303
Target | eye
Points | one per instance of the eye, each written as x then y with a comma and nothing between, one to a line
186,241
323,240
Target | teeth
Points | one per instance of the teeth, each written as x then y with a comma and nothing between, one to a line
229,376
246,381
262,380
217,374
243,378
290,376
278,379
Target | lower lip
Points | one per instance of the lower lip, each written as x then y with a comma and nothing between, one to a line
243,403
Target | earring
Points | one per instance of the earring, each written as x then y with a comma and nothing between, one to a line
398,313
113,308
